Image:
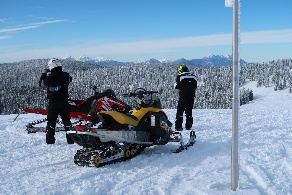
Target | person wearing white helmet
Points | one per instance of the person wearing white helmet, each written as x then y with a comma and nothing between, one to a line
56,81
54,63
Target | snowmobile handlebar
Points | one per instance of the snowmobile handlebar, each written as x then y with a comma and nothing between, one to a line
145,98
138,93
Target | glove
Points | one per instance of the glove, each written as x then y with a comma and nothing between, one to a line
45,70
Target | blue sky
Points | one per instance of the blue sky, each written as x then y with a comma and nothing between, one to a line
136,30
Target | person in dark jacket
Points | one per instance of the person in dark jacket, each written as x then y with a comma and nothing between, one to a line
186,83
57,82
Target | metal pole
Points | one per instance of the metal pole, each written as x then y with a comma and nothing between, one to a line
235,101
1,101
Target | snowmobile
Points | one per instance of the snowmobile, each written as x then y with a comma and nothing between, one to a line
122,135
81,110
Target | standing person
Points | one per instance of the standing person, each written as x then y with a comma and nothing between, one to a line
57,83
186,83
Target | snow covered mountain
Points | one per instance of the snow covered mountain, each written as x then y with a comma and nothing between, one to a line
98,61
210,60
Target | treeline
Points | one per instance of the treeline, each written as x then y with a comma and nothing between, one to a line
20,82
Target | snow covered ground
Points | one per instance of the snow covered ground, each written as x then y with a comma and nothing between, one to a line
29,166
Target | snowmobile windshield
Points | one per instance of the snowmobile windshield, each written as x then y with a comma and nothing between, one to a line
151,101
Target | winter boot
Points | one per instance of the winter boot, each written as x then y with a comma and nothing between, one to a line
50,135
50,138
189,122
69,140
178,123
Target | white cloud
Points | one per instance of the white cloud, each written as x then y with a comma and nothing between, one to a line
5,37
272,36
278,36
152,46
156,45
17,29
29,26
42,17
49,22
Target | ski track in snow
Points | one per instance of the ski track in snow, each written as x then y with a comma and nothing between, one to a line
29,166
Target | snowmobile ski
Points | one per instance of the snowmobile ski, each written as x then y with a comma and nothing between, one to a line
191,142
30,128
42,129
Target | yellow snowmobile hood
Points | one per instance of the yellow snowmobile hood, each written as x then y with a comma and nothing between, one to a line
137,113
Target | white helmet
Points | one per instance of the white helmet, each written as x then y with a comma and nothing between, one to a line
53,63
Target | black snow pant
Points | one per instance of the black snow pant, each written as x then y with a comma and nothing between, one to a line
185,105
54,109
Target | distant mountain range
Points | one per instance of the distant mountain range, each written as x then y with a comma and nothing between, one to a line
210,60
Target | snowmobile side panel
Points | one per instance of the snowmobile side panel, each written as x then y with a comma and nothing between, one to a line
105,135
120,117
80,115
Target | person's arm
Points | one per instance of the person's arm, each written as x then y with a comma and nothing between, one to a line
177,86
43,76
70,79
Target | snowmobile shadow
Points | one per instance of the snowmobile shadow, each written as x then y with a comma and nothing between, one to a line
157,155
195,156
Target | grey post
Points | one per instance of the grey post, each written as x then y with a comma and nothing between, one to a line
235,101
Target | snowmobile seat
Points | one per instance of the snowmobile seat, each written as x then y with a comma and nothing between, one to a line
78,106
81,105
108,92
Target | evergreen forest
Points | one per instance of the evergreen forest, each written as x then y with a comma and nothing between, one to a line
20,82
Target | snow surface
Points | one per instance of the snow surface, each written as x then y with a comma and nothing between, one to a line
29,166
